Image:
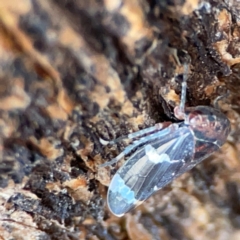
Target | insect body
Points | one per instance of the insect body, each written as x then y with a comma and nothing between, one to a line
165,153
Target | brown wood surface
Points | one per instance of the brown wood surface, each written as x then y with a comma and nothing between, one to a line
74,71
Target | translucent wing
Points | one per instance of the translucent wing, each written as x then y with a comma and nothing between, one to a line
151,168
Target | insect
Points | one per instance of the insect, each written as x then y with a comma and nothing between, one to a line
164,152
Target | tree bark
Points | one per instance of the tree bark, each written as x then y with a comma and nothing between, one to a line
72,72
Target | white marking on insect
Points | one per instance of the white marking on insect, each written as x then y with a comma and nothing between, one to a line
153,156
103,142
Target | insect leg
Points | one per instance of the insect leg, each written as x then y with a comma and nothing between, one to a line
156,127
142,140
179,110
121,155
184,89
219,98
138,134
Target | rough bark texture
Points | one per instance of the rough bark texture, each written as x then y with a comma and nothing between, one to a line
74,71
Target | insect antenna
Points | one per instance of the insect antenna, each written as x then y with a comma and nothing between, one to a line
184,89
179,111
219,98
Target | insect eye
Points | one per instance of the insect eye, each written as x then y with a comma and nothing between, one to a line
218,128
